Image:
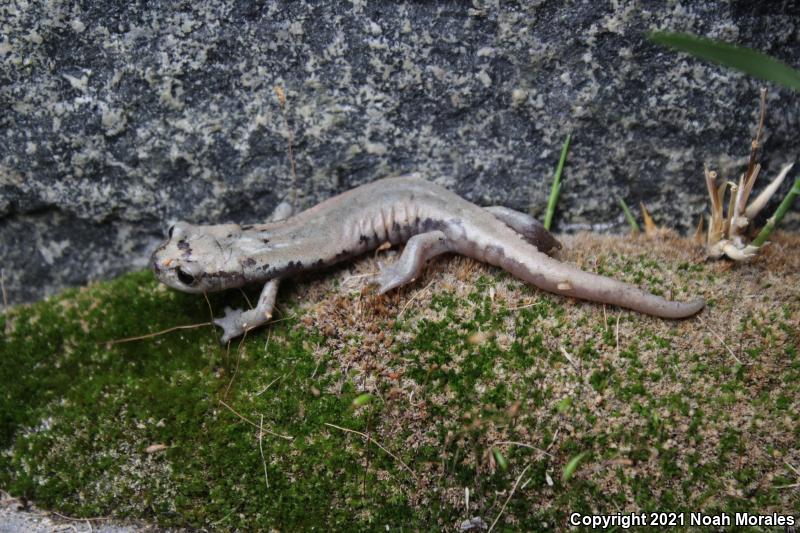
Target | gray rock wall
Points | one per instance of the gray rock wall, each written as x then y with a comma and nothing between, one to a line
121,116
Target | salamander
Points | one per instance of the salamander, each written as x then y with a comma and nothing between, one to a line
430,219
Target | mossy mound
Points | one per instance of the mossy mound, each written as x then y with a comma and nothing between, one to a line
458,382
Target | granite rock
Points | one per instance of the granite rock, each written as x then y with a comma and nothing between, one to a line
120,117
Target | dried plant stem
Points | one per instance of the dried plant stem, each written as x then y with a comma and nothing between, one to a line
716,223
290,142
755,144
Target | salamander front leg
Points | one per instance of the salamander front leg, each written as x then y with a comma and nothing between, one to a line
418,250
237,321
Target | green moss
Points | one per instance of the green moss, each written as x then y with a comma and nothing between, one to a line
78,416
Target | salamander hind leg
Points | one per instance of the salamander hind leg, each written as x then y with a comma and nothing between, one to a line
418,250
527,226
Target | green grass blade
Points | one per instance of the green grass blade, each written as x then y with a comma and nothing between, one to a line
775,219
362,399
572,466
555,190
501,460
631,220
747,60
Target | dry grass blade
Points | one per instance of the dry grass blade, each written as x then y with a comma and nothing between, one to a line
5,298
716,224
650,228
210,313
157,333
73,519
261,448
238,360
522,444
513,490
416,295
734,208
720,339
747,188
698,232
376,443
260,428
271,383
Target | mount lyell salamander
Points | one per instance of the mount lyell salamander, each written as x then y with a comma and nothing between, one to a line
430,218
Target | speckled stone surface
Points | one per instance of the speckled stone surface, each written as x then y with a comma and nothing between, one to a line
119,117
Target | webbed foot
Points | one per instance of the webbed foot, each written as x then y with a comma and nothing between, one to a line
236,322
390,277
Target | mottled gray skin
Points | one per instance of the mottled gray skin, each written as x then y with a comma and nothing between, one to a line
430,218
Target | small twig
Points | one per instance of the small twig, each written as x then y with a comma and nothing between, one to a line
157,333
513,490
501,443
261,449
376,443
616,333
720,339
244,418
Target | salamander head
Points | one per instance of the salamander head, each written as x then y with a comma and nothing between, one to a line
199,258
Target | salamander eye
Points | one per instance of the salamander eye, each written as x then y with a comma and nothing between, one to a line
171,229
185,277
